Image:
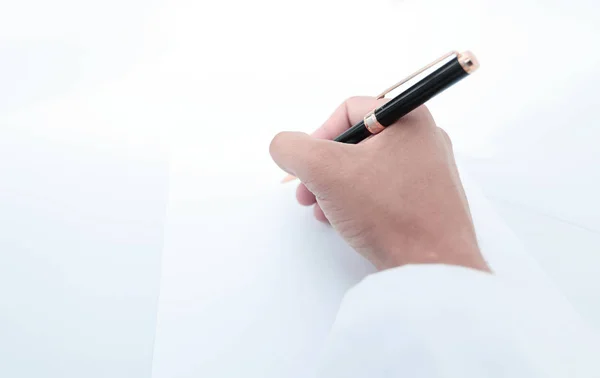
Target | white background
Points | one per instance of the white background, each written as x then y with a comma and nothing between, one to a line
96,98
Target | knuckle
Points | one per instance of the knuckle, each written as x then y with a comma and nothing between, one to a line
445,136
421,116
423,111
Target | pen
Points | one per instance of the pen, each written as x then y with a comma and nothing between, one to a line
452,68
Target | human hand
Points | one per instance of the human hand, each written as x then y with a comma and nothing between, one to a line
395,198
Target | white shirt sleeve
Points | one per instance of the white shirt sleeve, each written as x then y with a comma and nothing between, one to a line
430,321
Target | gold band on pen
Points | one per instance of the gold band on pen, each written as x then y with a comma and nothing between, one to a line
372,124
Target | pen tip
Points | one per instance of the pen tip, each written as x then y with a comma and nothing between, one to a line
288,178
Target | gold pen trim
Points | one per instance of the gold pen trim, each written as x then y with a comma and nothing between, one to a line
468,62
372,124
430,65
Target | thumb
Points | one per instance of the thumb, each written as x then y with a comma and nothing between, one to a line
303,156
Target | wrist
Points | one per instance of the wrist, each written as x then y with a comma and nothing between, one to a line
459,249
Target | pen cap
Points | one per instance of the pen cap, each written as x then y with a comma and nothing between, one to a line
426,88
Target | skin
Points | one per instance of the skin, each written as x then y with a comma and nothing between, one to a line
396,198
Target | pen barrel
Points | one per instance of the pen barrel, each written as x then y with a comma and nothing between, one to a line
407,101
419,93
354,135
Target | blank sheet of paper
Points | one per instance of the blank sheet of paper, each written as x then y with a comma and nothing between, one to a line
81,236
251,283
249,287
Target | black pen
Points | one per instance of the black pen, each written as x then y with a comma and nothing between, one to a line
458,66
452,68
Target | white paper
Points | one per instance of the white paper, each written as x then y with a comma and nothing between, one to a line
251,283
248,288
81,234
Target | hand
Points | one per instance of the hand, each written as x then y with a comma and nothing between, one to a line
395,198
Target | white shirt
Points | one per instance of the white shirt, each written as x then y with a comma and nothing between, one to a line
440,321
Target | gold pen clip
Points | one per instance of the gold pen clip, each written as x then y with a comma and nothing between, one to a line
404,81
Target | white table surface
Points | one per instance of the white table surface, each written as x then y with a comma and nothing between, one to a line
93,97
